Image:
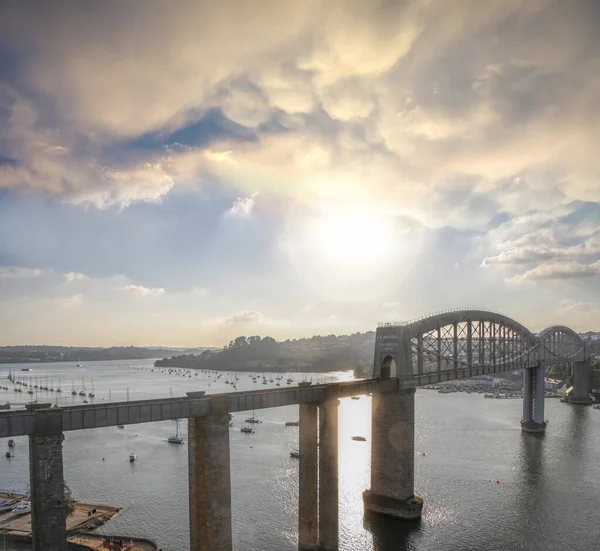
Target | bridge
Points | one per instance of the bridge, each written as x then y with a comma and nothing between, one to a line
443,347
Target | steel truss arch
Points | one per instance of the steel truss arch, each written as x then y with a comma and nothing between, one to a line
560,344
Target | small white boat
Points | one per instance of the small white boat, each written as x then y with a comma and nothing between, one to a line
132,458
176,439
22,508
7,504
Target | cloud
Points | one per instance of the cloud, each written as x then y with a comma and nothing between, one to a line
558,271
252,319
246,316
243,206
390,104
70,302
17,272
561,243
577,306
75,276
140,291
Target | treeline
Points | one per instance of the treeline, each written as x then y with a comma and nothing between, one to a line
31,354
255,353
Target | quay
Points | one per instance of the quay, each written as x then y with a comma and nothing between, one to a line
444,347
86,516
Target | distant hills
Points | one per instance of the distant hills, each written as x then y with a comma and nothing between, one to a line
43,353
255,353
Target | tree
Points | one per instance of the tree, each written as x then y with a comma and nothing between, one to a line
69,501
240,342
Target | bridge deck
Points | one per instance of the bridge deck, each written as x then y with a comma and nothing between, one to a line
21,422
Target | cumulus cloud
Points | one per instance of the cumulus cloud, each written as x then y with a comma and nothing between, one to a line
141,291
242,206
391,103
70,302
17,272
558,271
245,316
577,306
562,243
252,319
75,276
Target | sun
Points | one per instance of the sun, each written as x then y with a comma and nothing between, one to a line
351,236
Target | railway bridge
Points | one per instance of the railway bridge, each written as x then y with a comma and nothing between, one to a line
443,347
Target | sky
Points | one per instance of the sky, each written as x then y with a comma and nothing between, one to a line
181,173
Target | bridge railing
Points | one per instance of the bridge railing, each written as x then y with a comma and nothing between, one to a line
442,312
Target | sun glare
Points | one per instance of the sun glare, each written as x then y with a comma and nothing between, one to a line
351,236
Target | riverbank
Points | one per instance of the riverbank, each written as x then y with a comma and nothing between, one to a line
85,517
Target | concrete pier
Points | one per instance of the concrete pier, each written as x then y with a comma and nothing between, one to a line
210,479
308,506
534,387
540,393
393,456
48,512
527,396
328,475
582,383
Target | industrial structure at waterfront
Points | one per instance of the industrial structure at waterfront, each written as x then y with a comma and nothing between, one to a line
443,347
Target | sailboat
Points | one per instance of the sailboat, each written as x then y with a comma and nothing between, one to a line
91,394
58,389
252,419
82,391
176,439
73,391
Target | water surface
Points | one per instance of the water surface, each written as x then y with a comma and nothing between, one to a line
548,497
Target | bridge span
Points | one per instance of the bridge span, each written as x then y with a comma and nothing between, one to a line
447,346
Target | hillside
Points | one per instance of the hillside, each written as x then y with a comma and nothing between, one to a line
30,354
317,354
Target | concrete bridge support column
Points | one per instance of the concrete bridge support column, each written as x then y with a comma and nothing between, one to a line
540,391
48,512
527,396
393,456
210,479
582,379
533,399
308,507
328,475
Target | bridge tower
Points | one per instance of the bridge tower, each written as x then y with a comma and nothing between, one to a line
393,430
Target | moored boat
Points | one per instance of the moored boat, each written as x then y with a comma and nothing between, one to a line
22,509
176,439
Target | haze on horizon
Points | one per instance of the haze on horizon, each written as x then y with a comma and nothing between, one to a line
184,173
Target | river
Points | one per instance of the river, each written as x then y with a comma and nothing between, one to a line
548,497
